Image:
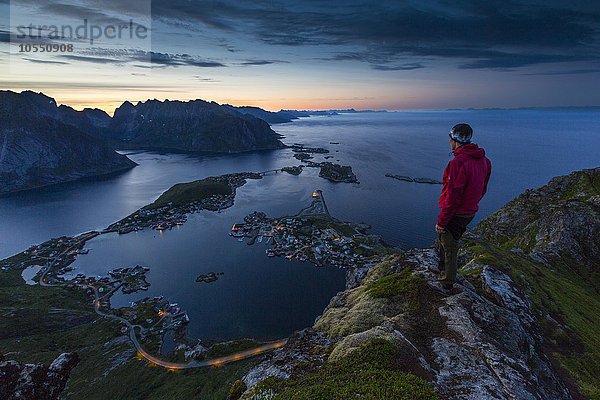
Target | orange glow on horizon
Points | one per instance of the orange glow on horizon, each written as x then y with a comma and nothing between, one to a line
109,101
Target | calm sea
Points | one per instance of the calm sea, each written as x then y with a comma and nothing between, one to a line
263,297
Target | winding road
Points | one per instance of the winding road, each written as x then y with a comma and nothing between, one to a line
143,353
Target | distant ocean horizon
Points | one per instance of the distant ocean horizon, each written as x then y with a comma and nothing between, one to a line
527,148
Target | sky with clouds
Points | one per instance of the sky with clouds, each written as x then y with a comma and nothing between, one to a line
309,54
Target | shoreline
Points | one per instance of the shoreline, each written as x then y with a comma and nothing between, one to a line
60,253
169,210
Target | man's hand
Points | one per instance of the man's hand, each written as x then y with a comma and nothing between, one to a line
439,229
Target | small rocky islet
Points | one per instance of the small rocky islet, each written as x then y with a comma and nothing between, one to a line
415,180
209,277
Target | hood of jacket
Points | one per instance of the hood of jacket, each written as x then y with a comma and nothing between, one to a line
470,150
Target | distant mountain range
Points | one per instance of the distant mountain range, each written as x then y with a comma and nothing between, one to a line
271,117
283,116
43,144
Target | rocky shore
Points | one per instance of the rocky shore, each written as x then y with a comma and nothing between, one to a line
336,173
295,170
209,277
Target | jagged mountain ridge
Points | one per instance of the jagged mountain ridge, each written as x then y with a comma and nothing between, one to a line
188,126
193,126
43,144
37,148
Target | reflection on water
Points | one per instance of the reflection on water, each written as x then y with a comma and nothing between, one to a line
256,296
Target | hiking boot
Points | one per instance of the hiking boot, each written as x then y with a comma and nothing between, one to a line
441,278
445,288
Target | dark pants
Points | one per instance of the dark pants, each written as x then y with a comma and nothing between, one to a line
447,247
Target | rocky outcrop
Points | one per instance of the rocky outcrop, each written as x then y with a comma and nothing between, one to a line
304,347
474,344
37,148
36,381
193,126
521,323
558,223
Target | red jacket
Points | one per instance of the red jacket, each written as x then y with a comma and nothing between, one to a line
465,182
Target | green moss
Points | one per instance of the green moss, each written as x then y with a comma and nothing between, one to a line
185,193
583,186
359,312
568,298
369,373
384,268
403,283
344,229
237,390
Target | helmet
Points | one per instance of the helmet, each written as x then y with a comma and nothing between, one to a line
461,133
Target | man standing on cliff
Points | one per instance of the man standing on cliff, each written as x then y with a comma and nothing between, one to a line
464,184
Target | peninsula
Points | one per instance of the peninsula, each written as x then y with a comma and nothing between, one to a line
415,180
172,207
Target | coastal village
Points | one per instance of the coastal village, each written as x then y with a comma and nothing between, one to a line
311,235
157,319
158,325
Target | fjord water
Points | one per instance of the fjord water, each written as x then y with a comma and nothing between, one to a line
257,296
265,297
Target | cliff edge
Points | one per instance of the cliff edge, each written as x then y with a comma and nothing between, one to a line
523,322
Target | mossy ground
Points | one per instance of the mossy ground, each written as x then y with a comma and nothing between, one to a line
583,186
568,298
370,373
402,284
